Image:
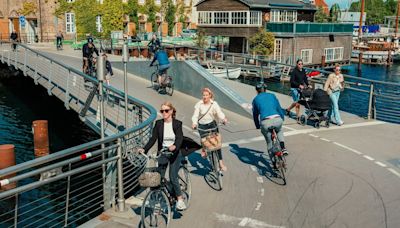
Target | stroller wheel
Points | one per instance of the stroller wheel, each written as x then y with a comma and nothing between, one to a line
316,124
303,120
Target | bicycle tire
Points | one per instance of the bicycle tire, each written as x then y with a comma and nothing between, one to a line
170,88
281,165
217,170
153,216
186,184
153,79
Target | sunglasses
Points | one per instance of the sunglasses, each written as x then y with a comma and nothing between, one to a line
164,110
337,69
299,64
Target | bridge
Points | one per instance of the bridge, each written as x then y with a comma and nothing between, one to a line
345,176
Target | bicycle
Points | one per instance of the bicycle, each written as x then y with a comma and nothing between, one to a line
278,158
91,71
156,207
167,82
215,173
59,45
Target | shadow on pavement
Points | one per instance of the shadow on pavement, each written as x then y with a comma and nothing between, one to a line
200,166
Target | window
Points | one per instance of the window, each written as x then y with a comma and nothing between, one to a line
283,15
306,56
98,24
221,18
157,2
239,18
230,18
70,22
205,18
278,50
333,54
174,2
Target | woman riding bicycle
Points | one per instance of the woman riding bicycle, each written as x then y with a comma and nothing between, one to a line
206,112
168,133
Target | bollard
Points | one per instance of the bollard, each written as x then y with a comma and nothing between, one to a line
7,159
360,60
40,137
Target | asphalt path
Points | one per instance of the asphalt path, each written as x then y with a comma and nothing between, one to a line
345,176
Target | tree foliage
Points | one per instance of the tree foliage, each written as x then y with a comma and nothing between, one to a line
334,13
201,39
170,16
132,10
151,10
262,43
27,8
85,17
376,10
320,16
112,13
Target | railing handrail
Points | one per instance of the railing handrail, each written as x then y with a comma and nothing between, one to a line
82,147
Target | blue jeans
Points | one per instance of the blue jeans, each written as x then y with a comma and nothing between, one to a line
277,123
334,112
295,94
163,69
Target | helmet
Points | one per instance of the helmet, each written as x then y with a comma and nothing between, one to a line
90,40
261,86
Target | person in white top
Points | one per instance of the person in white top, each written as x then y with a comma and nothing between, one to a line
206,114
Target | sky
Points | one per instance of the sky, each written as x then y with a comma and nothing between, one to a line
344,4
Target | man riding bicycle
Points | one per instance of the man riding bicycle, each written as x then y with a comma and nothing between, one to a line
267,113
87,50
59,37
163,62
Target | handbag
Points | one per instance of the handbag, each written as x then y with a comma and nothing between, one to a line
212,141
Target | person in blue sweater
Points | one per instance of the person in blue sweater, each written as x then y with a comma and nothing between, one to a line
163,62
267,112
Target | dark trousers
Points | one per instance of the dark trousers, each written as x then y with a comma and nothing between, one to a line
203,131
175,164
14,46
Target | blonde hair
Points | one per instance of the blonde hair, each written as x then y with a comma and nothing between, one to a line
208,90
169,104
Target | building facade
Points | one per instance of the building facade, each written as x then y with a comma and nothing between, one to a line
291,21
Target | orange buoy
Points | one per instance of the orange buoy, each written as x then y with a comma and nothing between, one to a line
7,159
40,138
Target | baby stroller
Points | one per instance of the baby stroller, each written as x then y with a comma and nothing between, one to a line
317,104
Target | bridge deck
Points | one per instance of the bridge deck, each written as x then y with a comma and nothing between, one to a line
345,176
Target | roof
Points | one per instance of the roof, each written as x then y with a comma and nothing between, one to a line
272,4
322,3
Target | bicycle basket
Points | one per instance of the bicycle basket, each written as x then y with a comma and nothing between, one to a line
150,179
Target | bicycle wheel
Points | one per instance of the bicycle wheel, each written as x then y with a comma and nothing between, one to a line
281,165
185,184
170,87
156,210
217,170
154,82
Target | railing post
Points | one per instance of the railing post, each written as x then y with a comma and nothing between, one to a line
66,101
49,81
9,57
35,77
261,72
176,57
15,59
125,58
25,61
370,103
67,199
121,198
16,211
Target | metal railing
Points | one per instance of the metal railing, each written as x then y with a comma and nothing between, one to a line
69,187
307,27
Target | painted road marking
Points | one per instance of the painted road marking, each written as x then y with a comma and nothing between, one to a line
289,128
380,164
244,222
348,148
258,206
324,139
315,136
262,192
394,172
260,179
253,168
368,157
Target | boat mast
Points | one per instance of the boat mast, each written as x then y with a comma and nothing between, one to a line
361,20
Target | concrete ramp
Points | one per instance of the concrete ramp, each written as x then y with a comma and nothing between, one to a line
189,78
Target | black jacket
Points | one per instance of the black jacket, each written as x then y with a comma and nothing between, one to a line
298,78
158,135
87,52
14,36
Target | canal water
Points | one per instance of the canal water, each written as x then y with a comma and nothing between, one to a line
22,102
350,101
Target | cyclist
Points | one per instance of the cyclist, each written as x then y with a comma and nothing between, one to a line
168,133
87,51
163,62
267,112
154,44
14,37
59,37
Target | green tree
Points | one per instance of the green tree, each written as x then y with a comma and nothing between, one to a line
334,13
320,16
85,17
170,16
181,12
376,10
132,9
262,43
27,8
112,14
201,39
151,10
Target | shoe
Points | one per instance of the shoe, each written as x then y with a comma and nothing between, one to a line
285,152
340,123
287,112
180,205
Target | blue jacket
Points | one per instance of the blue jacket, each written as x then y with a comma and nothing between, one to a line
162,58
264,105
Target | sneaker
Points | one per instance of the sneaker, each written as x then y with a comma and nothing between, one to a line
180,205
287,112
340,123
285,152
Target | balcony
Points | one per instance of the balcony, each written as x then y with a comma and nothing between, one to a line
310,28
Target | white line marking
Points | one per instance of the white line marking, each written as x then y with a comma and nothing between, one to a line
289,128
368,157
324,139
394,172
258,206
253,168
380,164
189,129
248,222
315,136
348,148
260,180
244,221
262,192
